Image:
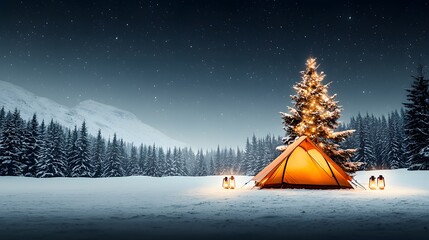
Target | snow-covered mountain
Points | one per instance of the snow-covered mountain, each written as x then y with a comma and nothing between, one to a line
97,116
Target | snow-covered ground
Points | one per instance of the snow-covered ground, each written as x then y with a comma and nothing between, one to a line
197,207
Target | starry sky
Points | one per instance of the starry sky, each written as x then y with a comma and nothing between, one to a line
212,72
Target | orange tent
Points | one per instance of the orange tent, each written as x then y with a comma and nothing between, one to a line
303,165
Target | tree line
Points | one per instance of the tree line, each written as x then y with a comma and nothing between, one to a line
30,149
379,141
400,140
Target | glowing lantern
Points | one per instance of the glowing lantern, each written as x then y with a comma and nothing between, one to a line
372,183
232,182
225,183
380,182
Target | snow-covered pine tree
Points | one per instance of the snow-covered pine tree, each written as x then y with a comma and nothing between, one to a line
248,159
401,135
124,155
143,159
41,142
25,147
259,154
267,152
113,166
395,151
53,163
133,164
169,166
416,119
189,161
202,168
238,160
365,151
11,146
315,114
71,149
376,139
98,155
230,159
178,162
217,162
384,141
255,155
224,161
31,147
160,163
185,168
2,119
81,166
211,169
152,167
148,161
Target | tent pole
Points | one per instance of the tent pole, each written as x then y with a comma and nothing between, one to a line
246,183
358,184
284,169
332,172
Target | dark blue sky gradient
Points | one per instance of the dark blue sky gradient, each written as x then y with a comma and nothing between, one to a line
212,72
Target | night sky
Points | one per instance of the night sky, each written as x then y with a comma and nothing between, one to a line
212,72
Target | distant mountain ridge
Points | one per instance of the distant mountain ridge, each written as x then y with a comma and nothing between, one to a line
107,118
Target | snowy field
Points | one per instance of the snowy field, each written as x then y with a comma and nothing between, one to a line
198,208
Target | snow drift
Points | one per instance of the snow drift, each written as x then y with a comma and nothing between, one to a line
97,116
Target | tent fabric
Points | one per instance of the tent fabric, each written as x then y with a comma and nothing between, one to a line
303,165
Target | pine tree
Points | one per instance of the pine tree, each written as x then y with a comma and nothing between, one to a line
384,141
315,114
124,156
143,159
416,119
32,149
184,169
365,151
98,155
193,162
10,146
201,165
161,165
133,168
2,119
179,161
169,166
113,166
230,159
71,150
41,142
255,155
152,167
375,137
238,160
211,170
53,163
217,162
248,159
395,151
259,155
81,165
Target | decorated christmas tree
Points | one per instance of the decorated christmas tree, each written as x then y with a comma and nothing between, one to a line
315,114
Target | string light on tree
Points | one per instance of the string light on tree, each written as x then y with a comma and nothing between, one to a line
315,114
